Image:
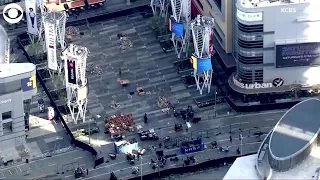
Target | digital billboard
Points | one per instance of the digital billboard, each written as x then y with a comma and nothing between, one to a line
50,37
303,54
28,84
72,78
203,64
175,27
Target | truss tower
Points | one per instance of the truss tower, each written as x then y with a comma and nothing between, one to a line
180,25
75,60
160,7
202,31
58,20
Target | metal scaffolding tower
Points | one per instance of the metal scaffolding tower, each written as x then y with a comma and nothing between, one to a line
180,25
58,20
202,32
75,60
160,7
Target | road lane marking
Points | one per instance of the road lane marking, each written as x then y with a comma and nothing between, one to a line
153,155
52,164
169,166
10,172
174,149
44,159
77,158
270,119
20,169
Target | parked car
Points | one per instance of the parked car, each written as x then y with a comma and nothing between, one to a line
92,131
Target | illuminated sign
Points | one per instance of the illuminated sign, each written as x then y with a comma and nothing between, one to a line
28,84
175,27
72,79
302,54
252,86
50,36
249,16
31,15
193,149
201,64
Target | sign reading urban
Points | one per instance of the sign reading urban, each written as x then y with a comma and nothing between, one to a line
303,54
252,86
249,16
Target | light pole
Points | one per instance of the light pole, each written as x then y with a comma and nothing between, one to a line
89,130
241,137
141,167
215,102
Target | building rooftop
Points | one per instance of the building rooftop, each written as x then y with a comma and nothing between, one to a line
290,151
244,168
264,3
14,69
296,129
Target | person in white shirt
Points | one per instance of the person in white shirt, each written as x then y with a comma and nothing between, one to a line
32,16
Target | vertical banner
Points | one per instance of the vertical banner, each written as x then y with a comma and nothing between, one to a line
72,77
50,36
31,13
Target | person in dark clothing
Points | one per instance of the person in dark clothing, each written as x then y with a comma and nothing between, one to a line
160,145
145,118
87,171
230,138
238,150
120,72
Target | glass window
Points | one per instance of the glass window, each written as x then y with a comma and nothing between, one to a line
6,115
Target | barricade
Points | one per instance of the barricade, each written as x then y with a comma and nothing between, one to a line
77,143
190,169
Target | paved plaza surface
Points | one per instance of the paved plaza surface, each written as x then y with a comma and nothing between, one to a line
146,66
46,137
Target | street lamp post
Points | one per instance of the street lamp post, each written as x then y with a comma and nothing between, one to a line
89,130
241,137
215,102
141,167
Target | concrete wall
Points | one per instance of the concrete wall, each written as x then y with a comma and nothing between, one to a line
12,102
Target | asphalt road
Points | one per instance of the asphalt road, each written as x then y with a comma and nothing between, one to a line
48,166
149,67
265,121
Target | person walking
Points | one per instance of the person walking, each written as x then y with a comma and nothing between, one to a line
145,118
230,137
120,72
87,171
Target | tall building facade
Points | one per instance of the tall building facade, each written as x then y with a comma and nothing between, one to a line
17,86
277,45
274,43
222,11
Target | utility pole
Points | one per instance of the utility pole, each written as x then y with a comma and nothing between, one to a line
141,167
215,102
89,130
241,137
